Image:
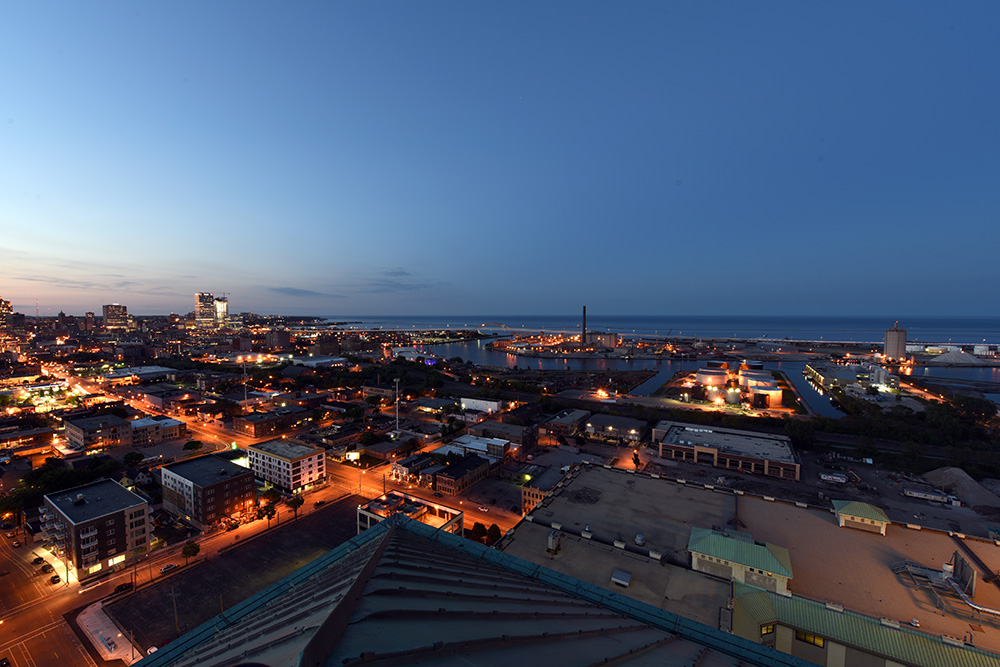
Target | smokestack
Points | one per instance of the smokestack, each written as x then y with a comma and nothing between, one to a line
583,330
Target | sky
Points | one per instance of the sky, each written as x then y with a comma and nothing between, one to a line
407,158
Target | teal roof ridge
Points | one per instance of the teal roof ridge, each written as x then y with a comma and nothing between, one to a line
743,550
903,643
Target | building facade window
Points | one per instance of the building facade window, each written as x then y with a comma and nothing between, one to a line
767,629
810,638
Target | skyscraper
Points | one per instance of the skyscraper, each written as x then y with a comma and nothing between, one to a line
6,314
116,317
204,310
221,312
895,343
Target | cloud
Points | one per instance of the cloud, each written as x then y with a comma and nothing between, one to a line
396,273
295,291
381,285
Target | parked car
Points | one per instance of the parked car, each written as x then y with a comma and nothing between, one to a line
11,534
167,568
38,561
15,544
438,495
127,586
55,579
319,503
484,509
47,568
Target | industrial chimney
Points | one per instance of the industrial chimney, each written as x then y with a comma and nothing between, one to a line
583,329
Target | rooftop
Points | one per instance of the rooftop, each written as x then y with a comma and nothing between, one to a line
860,510
616,422
568,417
755,607
101,421
728,440
404,593
865,582
100,498
205,470
741,548
289,450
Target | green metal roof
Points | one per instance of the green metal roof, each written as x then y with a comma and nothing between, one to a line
860,510
737,547
754,607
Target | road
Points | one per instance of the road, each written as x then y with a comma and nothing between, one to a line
374,482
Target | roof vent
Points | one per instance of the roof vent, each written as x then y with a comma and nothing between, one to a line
80,499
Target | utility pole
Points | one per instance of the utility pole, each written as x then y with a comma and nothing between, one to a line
397,404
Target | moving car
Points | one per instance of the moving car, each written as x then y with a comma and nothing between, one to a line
167,568
484,509
127,586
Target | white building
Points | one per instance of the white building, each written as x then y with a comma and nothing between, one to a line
289,464
486,405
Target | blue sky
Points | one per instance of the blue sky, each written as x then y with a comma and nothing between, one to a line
451,157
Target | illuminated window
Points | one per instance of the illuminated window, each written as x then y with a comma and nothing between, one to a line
767,629
810,638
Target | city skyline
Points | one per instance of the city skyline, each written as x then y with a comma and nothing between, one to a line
374,159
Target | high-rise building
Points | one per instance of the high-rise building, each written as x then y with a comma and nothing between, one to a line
895,343
6,314
204,310
221,312
116,317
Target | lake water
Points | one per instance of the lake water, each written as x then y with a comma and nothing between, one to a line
476,352
957,330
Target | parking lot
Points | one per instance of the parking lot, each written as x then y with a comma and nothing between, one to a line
232,576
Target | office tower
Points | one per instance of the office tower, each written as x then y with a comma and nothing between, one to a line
221,312
116,317
6,314
895,343
204,310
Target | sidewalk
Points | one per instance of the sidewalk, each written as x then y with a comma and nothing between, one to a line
105,636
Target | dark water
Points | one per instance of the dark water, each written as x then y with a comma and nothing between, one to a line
964,330
476,352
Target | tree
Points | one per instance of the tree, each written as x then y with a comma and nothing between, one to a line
271,496
192,445
132,459
295,502
190,550
478,532
368,438
268,512
493,535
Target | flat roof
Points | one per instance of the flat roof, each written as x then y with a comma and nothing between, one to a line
568,417
85,423
616,422
205,470
100,498
669,587
728,440
865,581
286,449
616,504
